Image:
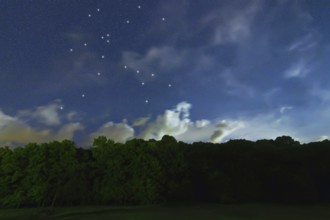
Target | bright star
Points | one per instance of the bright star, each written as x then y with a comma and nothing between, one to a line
71,50
147,101
89,15
142,83
103,56
83,95
169,85
98,10
138,71
163,19
152,74
85,44
99,74
127,21
125,67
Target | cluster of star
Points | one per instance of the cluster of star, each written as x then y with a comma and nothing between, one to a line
106,38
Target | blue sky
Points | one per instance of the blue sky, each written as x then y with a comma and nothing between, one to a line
200,70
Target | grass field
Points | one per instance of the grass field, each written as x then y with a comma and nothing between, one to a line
193,212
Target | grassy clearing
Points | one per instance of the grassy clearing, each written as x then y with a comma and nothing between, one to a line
193,212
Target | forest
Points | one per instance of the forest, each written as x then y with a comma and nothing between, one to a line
165,171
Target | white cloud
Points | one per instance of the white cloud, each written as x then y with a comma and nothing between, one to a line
265,126
164,58
47,114
176,122
14,130
118,132
323,94
5,120
202,123
232,24
71,115
140,121
298,69
305,43
321,138
224,129
20,129
173,122
285,108
67,131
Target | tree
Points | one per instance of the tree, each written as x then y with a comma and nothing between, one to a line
286,140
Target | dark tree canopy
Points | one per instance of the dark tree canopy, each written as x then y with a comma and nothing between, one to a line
149,172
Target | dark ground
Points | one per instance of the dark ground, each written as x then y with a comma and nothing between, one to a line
194,212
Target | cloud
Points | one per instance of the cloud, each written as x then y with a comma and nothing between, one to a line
46,114
118,132
304,44
321,138
202,123
298,70
22,128
14,130
176,122
232,24
140,121
225,128
173,122
67,131
285,108
265,126
164,58
234,87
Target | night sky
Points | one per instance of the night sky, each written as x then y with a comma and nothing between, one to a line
199,70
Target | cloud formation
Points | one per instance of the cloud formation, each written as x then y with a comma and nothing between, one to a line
14,131
21,129
299,70
118,132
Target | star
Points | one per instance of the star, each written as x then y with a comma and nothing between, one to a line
146,101
139,6
61,107
89,15
128,21
71,50
102,37
83,95
125,67
163,19
169,85
138,71
108,41
99,74
142,83
98,10
85,44
102,56
108,35
152,74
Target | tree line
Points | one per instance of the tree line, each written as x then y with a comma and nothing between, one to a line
165,171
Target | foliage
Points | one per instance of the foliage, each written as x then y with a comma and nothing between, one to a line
149,172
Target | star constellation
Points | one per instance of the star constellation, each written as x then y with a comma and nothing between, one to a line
106,38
